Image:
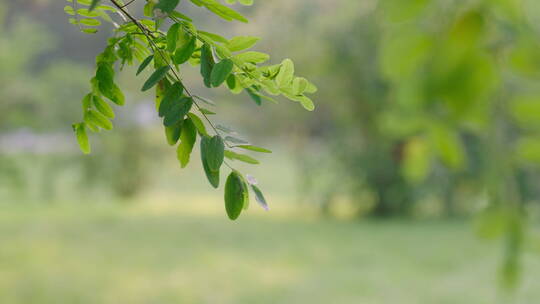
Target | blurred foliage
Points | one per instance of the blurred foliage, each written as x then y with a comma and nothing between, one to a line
423,101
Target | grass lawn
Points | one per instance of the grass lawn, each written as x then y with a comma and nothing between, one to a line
164,254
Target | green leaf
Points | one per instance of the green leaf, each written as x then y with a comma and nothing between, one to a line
82,137
172,37
207,64
173,133
254,96
69,10
241,43
259,197
221,71
299,85
183,53
105,77
167,6
180,16
253,57
90,22
172,96
286,73
307,103
212,36
206,111
103,107
198,124
89,30
231,82
93,4
98,119
177,111
241,157
155,77
254,148
212,176
234,195
215,152
144,64
223,11
87,102
187,141
115,95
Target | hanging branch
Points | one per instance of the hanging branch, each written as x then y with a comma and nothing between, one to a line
221,61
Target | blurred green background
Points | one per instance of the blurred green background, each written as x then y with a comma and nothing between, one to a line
423,148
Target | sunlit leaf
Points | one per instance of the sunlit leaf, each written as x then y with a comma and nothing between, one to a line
82,137
241,157
187,141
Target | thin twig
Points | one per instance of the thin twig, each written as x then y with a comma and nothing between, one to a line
127,4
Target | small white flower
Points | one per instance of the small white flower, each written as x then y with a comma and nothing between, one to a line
251,180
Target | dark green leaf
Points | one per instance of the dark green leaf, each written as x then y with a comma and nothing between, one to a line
187,141
155,77
212,176
221,71
234,195
172,96
166,6
105,77
231,82
207,64
93,4
144,64
215,153
178,111
256,98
